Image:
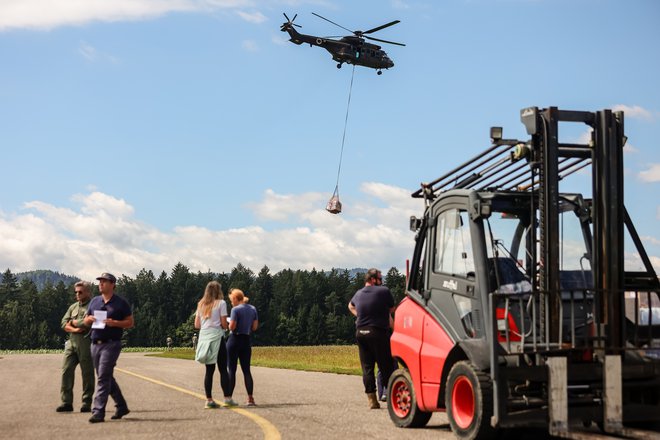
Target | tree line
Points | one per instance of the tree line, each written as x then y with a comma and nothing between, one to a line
295,307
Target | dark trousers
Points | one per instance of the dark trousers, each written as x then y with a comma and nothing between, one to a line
374,348
222,368
239,348
105,357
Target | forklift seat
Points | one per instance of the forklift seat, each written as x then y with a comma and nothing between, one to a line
511,278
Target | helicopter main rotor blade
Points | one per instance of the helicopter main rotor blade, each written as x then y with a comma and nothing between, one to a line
381,27
384,41
320,16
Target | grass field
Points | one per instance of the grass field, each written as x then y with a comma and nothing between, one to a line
342,359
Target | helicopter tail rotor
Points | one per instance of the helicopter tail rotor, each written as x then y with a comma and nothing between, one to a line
289,22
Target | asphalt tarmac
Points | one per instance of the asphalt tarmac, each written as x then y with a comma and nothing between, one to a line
166,399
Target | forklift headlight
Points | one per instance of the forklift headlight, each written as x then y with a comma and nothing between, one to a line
495,134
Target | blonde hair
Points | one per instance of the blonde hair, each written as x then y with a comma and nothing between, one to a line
239,295
212,293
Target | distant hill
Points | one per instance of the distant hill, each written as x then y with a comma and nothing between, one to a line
41,277
358,270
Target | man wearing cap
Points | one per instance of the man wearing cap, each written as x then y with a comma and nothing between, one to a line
108,314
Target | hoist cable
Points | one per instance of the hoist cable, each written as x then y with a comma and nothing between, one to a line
343,139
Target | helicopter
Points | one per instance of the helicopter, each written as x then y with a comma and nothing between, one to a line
351,49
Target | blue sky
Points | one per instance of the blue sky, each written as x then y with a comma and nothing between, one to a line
140,133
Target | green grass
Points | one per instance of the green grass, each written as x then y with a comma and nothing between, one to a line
61,350
342,359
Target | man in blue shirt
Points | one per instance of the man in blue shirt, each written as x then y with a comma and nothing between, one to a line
373,305
108,315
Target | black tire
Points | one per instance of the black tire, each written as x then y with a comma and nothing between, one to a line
402,402
469,402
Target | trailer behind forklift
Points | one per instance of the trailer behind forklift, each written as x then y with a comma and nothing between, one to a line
519,311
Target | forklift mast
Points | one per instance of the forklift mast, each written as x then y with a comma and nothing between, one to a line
605,152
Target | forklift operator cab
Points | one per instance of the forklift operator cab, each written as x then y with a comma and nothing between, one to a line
487,250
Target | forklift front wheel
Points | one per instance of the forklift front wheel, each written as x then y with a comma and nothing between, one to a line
469,402
402,402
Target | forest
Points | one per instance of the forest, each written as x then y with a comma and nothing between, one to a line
295,307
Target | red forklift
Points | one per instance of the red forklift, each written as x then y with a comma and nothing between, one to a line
522,307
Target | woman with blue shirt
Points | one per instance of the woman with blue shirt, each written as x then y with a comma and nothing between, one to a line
243,321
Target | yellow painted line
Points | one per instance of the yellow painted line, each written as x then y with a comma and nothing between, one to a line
269,430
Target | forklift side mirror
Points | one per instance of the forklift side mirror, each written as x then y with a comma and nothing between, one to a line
415,223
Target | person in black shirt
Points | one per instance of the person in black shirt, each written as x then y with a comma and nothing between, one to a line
373,305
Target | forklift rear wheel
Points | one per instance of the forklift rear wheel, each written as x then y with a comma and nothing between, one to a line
469,402
402,402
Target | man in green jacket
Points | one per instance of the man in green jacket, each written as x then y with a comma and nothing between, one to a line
77,351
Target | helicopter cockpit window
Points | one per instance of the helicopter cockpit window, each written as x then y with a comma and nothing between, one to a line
453,246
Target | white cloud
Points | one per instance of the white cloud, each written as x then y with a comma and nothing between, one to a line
252,17
37,14
630,149
655,261
250,45
91,54
651,240
285,207
103,233
634,111
87,51
279,40
652,174
400,4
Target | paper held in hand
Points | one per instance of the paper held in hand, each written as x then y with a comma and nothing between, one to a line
101,316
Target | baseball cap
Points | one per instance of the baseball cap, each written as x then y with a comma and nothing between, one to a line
107,276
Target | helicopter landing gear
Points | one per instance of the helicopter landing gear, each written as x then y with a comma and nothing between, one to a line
339,66
379,72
